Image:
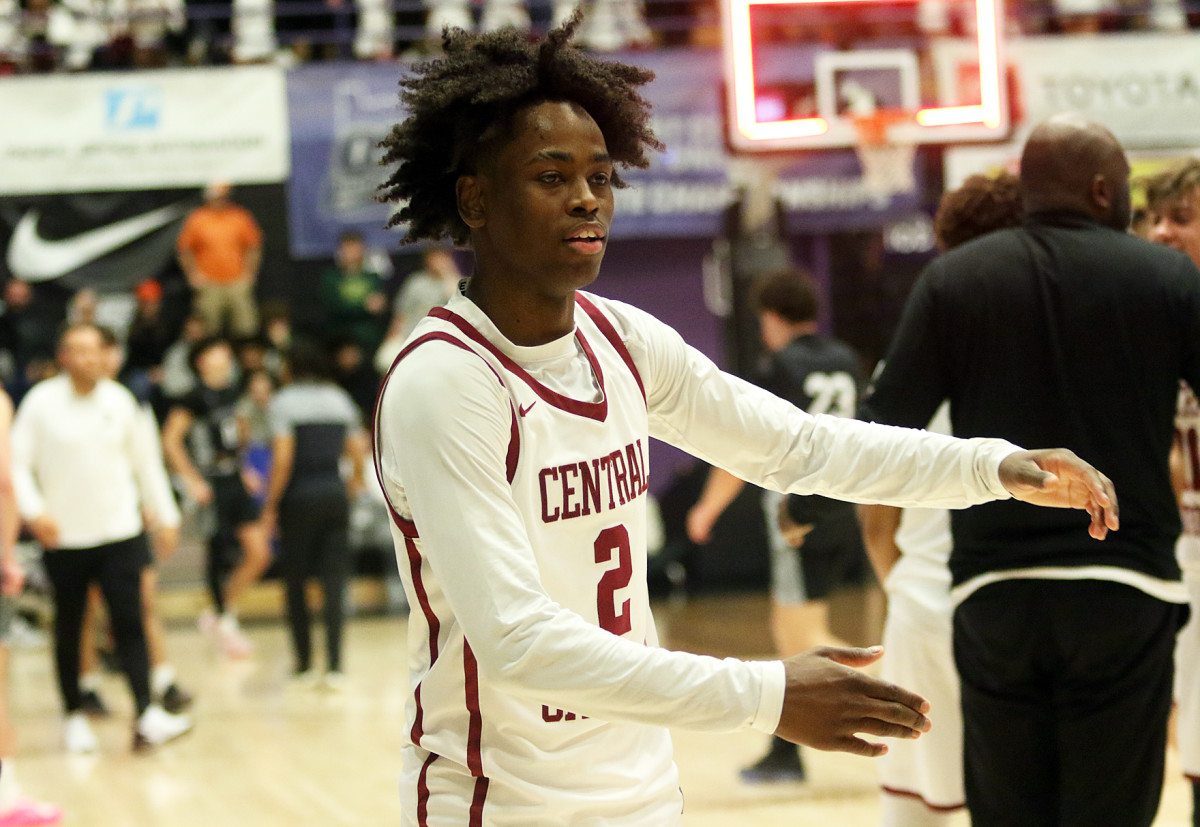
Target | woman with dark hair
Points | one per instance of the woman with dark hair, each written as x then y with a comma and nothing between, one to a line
313,424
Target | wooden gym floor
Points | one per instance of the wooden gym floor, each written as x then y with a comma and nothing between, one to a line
266,754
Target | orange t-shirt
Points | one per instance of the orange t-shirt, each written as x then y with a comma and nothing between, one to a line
219,240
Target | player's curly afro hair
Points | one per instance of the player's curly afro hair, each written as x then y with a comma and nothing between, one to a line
462,109
982,204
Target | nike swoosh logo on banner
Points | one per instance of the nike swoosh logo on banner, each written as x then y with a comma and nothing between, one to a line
33,258
524,409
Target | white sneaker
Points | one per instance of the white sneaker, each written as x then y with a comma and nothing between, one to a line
157,726
233,643
305,680
207,623
78,736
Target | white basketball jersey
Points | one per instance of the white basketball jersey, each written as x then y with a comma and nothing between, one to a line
1187,433
922,573
579,473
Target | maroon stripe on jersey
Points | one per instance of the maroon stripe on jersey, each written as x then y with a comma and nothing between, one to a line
477,800
514,447
606,327
474,734
938,808
431,620
475,724
407,527
590,410
423,791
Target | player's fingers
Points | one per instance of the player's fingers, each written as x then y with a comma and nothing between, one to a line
857,746
899,698
887,729
849,655
898,714
1112,510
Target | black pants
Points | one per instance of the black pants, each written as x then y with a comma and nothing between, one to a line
313,542
1066,690
117,567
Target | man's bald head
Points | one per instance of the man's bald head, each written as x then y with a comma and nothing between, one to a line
1077,165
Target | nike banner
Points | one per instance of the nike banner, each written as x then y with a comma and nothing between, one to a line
152,129
110,241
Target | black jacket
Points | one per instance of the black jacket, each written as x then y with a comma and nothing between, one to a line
1059,333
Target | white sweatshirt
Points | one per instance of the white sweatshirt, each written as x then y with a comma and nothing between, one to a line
89,462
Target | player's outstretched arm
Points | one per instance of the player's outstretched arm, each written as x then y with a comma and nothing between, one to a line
827,703
1058,478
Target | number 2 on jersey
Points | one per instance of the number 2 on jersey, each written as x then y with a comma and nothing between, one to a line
611,619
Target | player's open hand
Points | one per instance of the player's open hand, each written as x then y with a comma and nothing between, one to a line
1056,477
828,704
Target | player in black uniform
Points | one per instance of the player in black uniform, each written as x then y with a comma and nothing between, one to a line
201,442
820,375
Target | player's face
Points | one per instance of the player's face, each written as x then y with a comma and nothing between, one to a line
540,212
1176,224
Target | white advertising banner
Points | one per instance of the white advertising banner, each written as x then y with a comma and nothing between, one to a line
145,130
1144,87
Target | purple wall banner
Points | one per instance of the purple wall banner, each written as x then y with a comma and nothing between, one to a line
339,113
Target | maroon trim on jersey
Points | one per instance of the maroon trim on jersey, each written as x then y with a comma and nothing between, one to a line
431,620
606,327
590,410
937,808
477,801
407,527
474,734
475,727
514,446
423,791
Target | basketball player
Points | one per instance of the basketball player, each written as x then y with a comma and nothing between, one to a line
511,442
238,550
1173,199
922,780
822,376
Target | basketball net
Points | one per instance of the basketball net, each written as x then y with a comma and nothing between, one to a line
887,165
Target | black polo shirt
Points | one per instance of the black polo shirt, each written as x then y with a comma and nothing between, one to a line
1059,333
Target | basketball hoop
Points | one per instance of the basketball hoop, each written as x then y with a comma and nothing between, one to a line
887,165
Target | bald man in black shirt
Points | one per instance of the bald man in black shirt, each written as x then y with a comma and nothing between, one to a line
1065,330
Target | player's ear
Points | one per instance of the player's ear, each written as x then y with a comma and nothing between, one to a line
468,191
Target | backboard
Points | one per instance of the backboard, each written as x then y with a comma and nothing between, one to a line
799,72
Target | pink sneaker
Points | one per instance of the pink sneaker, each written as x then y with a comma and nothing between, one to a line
28,812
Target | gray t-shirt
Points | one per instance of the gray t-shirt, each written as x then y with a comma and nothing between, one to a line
320,416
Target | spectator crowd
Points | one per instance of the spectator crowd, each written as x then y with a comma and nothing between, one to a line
40,36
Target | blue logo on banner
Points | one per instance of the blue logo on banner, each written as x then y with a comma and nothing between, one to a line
132,108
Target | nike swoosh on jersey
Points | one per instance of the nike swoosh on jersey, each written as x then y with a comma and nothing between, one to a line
33,258
524,409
